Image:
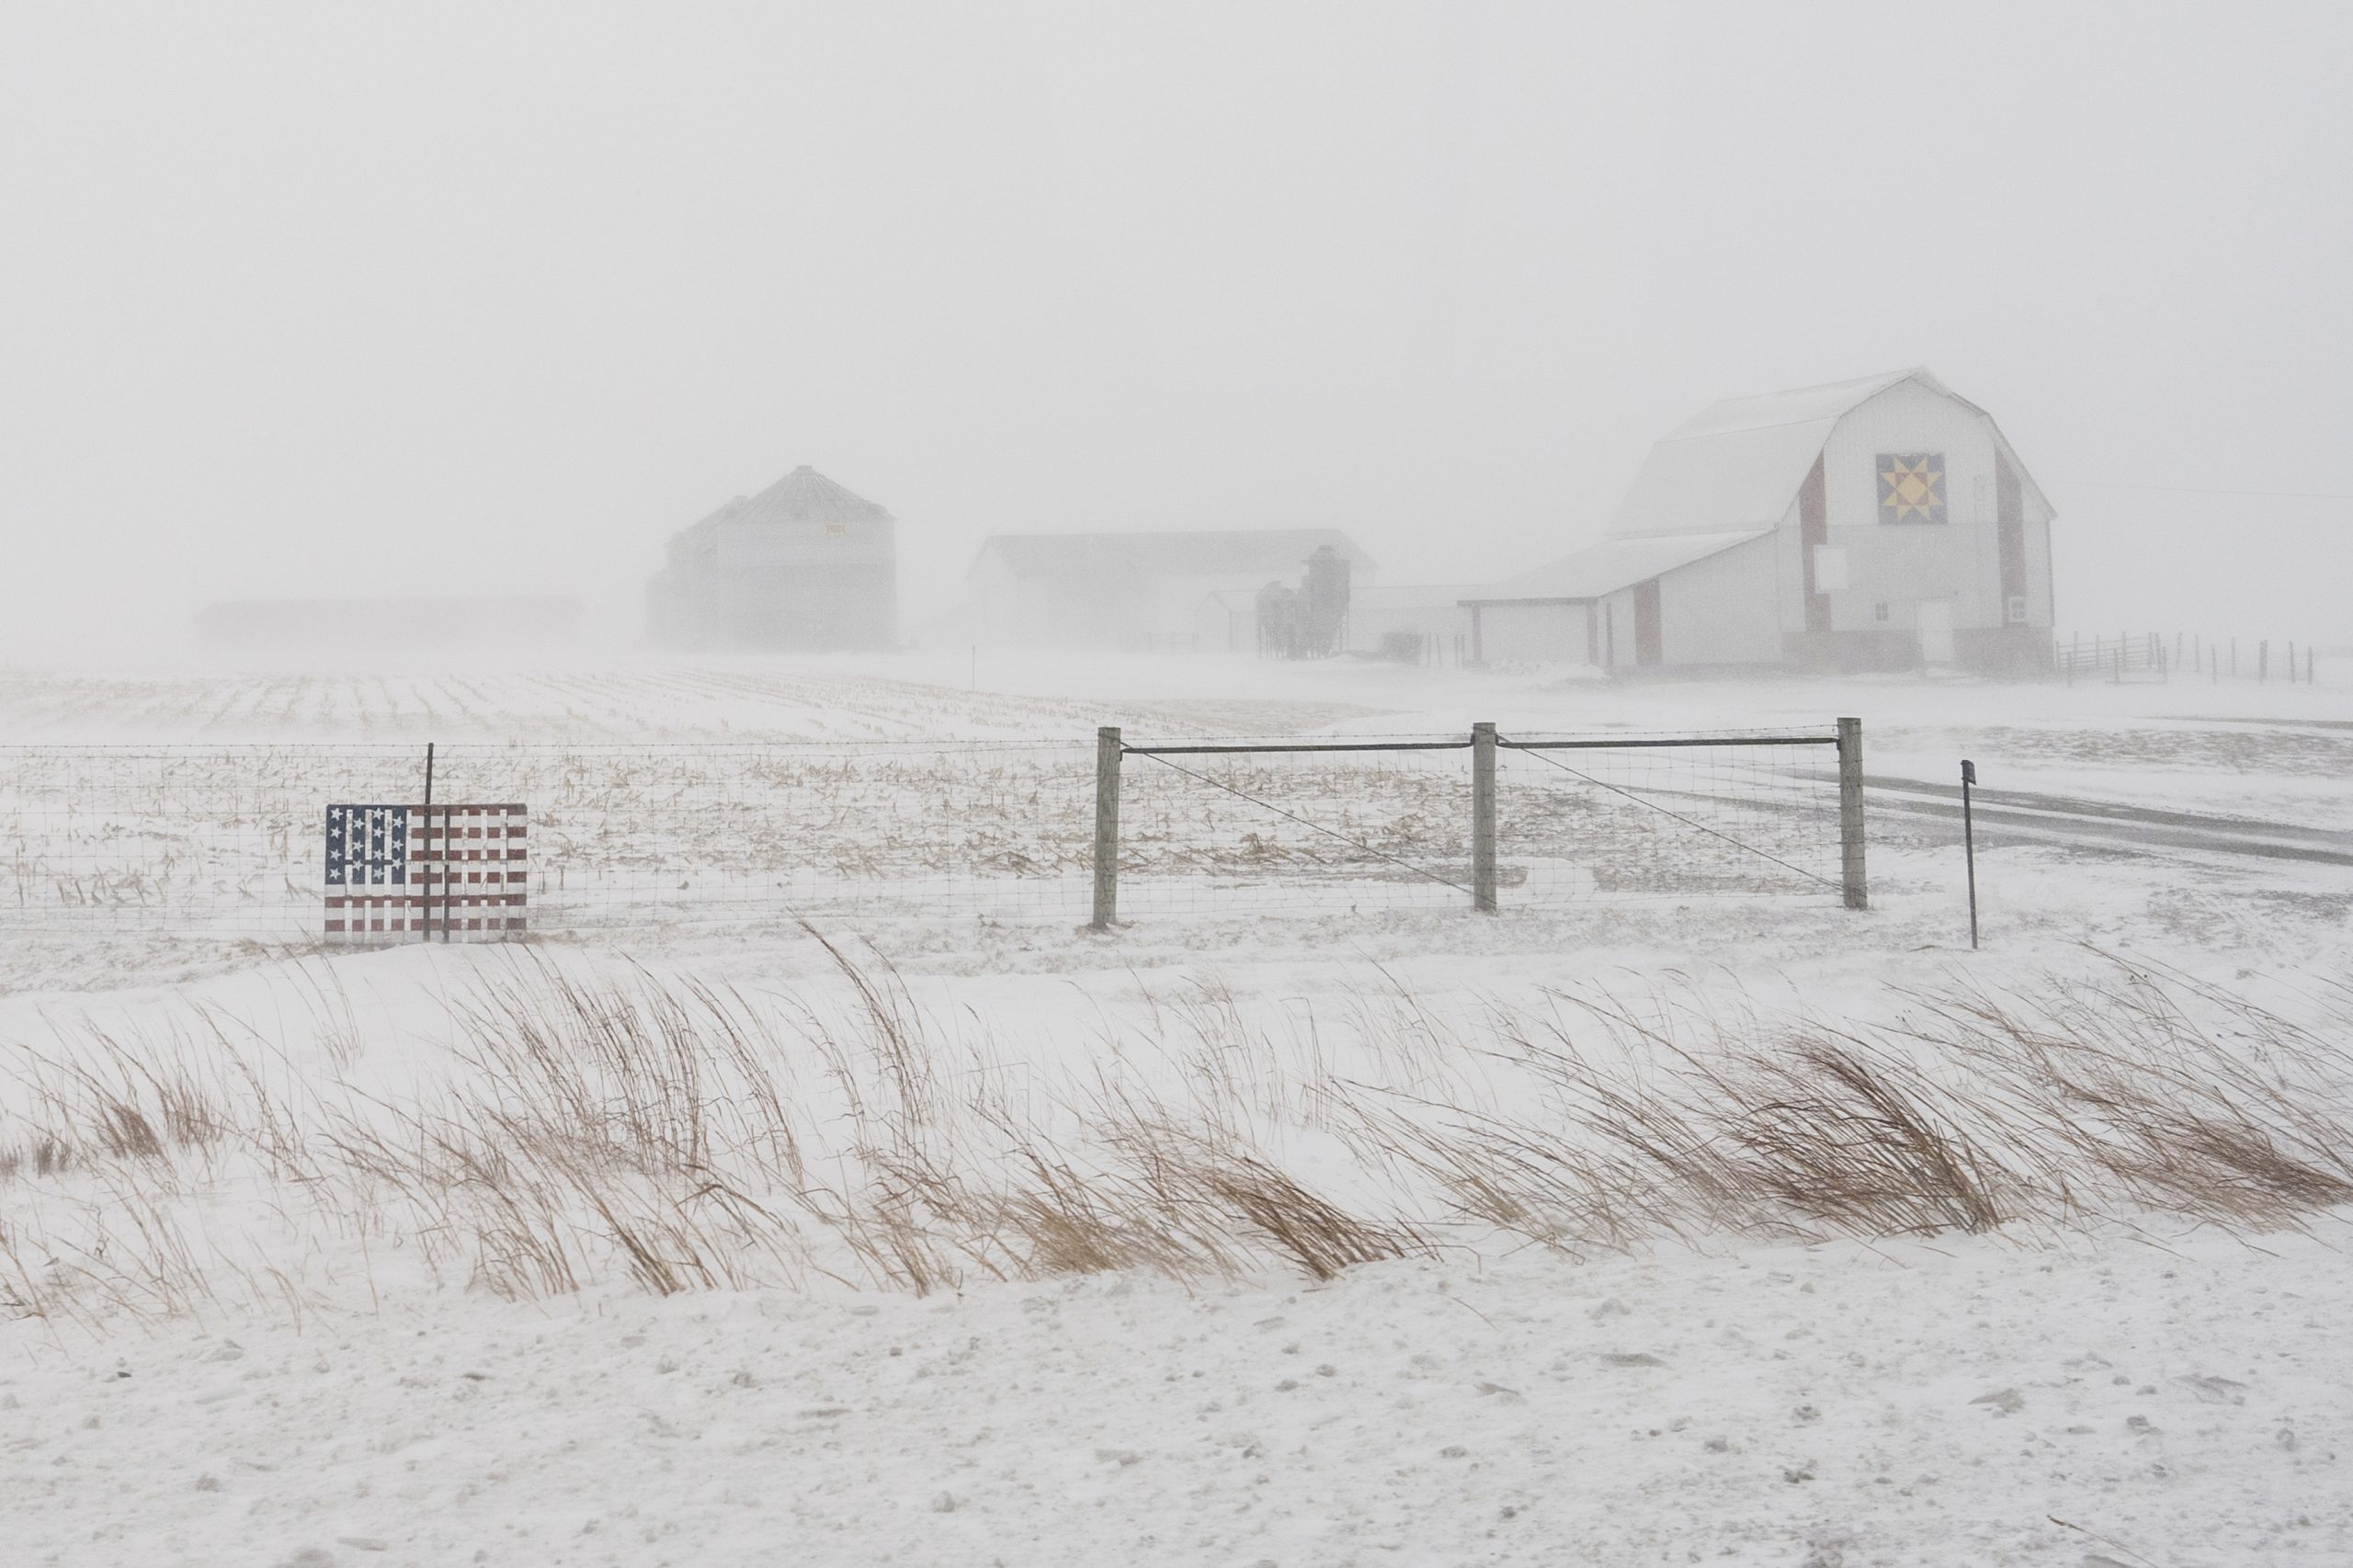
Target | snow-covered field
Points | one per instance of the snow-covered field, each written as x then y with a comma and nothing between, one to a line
1314,1239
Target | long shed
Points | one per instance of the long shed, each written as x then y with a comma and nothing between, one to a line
1172,590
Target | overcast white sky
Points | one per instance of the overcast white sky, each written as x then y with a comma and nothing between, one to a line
321,299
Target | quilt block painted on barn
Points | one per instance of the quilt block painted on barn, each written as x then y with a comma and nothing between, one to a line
422,873
1912,487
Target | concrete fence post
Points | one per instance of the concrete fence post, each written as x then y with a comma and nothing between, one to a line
1482,818
1850,814
1107,828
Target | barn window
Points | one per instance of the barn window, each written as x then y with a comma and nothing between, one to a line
1879,610
1912,487
2017,609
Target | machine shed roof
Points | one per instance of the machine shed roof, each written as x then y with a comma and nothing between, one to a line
1614,563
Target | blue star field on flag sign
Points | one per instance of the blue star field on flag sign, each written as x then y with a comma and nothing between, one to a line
367,845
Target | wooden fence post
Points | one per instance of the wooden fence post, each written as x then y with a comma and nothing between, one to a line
1482,818
1850,814
1107,828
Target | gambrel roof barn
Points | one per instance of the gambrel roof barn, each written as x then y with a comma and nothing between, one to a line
1875,524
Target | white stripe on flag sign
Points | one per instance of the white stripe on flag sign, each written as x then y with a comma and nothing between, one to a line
418,873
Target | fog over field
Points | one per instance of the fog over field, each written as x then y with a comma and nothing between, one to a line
1299,785
302,303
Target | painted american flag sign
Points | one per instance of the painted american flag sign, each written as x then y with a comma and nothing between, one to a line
422,873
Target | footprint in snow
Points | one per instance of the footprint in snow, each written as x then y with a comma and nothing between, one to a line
2215,1390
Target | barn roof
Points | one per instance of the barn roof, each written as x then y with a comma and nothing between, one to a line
1247,553
804,495
1738,463
1614,563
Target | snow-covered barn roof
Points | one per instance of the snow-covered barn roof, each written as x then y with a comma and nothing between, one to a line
804,495
1614,563
1738,463
1220,552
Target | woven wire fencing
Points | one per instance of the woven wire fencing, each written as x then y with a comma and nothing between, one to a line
1667,817
1250,825
231,842
1266,830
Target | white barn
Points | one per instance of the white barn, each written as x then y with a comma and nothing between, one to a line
1868,525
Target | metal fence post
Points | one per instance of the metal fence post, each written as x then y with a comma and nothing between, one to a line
1968,844
1107,828
1482,818
425,896
1850,814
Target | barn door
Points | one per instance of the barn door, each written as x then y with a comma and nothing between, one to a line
1935,622
1648,640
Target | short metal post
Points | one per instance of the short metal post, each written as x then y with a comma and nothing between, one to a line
425,895
1107,751
1482,818
1850,814
1968,845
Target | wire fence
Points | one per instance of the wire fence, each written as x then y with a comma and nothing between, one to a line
1210,827
1745,813
2154,656
249,843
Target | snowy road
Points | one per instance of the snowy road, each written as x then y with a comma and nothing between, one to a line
2018,814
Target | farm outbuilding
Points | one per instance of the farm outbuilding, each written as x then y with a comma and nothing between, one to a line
1142,591
1870,524
804,564
1418,624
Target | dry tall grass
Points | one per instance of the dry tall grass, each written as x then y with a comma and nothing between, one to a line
592,1127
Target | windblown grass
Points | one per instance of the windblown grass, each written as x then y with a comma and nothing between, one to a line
587,1129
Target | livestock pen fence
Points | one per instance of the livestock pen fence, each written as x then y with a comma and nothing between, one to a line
301,844
2154,656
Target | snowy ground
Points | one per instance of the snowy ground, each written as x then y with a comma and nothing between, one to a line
2175,1392
2176,1401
